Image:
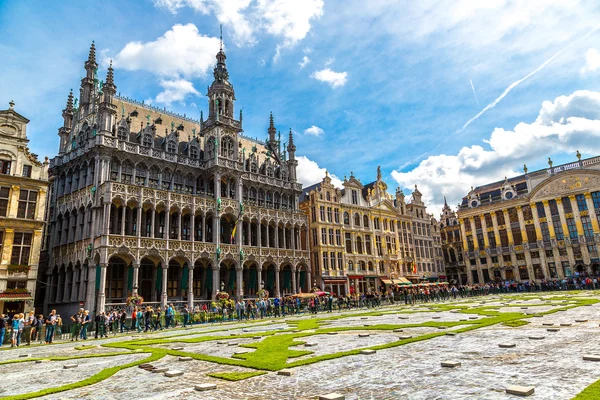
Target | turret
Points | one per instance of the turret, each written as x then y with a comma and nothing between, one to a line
65,130
220,93
292,162
87,83
107,111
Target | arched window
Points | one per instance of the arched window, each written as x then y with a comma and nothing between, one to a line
269,172
127,172
166,179
227,147
171,147
140,174
350,265
194,153
147,141
356,219
153,177
253,167
362,265
366,221
114,169
328,196
346,218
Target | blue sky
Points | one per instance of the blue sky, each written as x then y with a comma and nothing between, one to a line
361,84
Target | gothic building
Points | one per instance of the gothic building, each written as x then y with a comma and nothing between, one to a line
363,238
452,246
540,225
179,208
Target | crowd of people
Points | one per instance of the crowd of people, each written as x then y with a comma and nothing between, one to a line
28,328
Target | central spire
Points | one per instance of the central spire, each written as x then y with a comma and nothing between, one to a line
220,72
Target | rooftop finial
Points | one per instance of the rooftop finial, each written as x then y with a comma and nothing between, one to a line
525,168
445,202
221,37
11,105
578,154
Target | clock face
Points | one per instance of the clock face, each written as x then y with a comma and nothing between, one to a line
508,195
474,203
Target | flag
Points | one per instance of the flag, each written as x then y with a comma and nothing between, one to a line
236,222
414,268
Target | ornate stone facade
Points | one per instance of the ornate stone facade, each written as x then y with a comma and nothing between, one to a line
23,188
362,238
540,225
179,208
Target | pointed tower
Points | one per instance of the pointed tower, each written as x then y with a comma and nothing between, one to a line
292,162
221,95
65,130
107,111
87,83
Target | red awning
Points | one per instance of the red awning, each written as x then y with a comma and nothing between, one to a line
15,296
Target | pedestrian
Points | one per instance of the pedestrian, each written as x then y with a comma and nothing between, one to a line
15,334
38,328
77,321
51,322
186,315
87,320
122,320
2,328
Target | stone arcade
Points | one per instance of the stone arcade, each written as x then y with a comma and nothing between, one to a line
151,199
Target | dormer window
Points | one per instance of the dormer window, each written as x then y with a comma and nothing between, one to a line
180,127
147,140
194,153
158,121
269,172
122,133
134,113
171,147
354,197
253,167
5,167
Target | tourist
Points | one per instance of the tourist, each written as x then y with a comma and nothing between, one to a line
148,319
77,321
186,315
158,321
28,323
39,323
100,319
85,323
133,318
59,325
15,334
139,320
2,328
122,320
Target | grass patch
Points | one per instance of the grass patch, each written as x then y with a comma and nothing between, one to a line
516,323
236,376
86,347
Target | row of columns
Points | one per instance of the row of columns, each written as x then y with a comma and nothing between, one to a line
539,236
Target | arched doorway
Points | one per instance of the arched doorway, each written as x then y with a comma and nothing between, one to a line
115,280
146,284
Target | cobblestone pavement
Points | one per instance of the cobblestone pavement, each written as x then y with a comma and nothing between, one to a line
552,365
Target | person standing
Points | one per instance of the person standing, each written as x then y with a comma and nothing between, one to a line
2,329
77,321
186,315
28,324
122,320
15,335
51,322
84,324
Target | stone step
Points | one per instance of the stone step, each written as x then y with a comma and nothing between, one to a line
507,345
450,364
24,355
205,386
332,396
520,390
591,358
41,361
566,324
173,373
398,330
367,352
177,348
473,317
581,320
451,334
70,366
160,370
404,337
547,324
363,335
332,333
285,372
436,317
537,337
185,358
309,344
553,330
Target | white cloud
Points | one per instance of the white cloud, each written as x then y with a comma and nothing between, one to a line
314,131
334,79
304,62
329,61
309,173
567,124
181,51
175,90
289,20
592,61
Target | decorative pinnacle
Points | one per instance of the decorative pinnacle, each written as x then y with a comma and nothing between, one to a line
70,101
445,202
11,104
291,146
92,55
110,78
271,123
